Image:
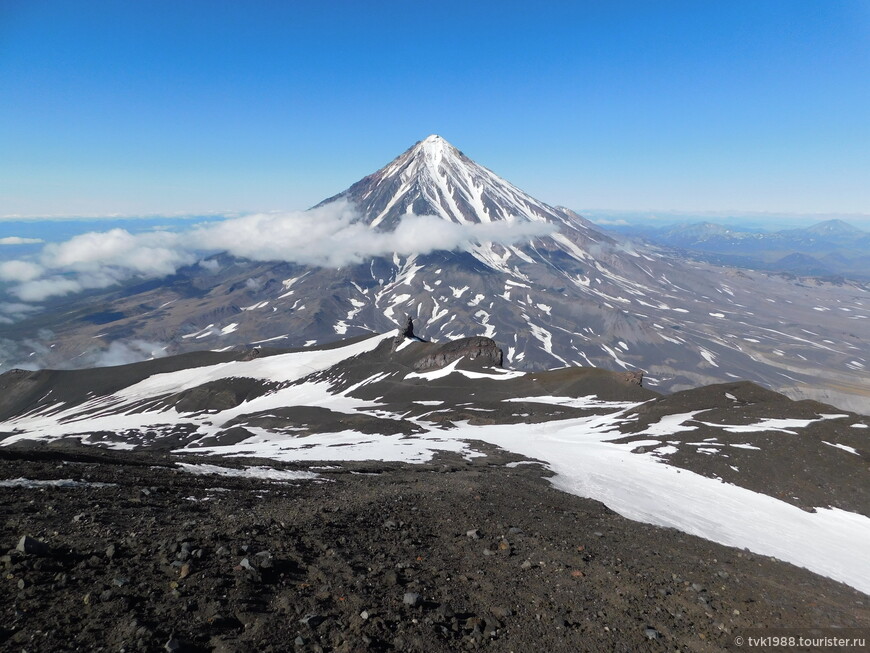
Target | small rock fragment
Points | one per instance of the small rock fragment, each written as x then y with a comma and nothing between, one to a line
412,598
312,620
32,546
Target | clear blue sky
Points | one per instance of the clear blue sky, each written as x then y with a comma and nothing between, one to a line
195,106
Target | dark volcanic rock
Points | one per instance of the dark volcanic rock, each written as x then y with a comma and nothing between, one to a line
408,330
32,546
477,348
218,395
22,391
305,420
338,580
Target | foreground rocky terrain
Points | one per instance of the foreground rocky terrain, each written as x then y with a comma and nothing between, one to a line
386,493
133,551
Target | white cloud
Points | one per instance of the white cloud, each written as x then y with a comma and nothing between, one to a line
11,312
210,264
332,236
131,351
19,271
40,289
18,240
38,352
149,254
329,236
609,223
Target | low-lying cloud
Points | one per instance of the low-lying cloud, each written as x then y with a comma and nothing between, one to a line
38,353
18,240
11,312
329,236
123,352
20,271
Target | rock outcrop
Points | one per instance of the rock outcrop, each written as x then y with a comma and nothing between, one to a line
477,348
632,378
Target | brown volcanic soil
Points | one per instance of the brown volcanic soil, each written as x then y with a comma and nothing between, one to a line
377,557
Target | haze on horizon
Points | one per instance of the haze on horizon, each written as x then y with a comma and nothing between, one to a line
125,108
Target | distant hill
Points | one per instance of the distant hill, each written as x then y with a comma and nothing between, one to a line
829,248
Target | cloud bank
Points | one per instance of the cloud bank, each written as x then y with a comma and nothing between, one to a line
328,236
37,353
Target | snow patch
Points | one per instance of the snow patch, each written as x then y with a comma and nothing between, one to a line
266,473
843,447
63,483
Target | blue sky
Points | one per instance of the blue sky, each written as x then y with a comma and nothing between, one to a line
194,107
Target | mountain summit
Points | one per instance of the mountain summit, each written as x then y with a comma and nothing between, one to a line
434,178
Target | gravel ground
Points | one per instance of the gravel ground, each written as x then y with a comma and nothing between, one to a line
451,555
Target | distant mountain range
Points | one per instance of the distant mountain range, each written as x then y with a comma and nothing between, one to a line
829,248
547,285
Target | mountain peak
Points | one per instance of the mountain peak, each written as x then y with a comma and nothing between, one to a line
433,138
433,177
433,149
834,228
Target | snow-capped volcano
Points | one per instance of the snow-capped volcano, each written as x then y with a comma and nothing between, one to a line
565,295
434,178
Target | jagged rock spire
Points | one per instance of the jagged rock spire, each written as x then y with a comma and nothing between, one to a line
408,330
405,332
